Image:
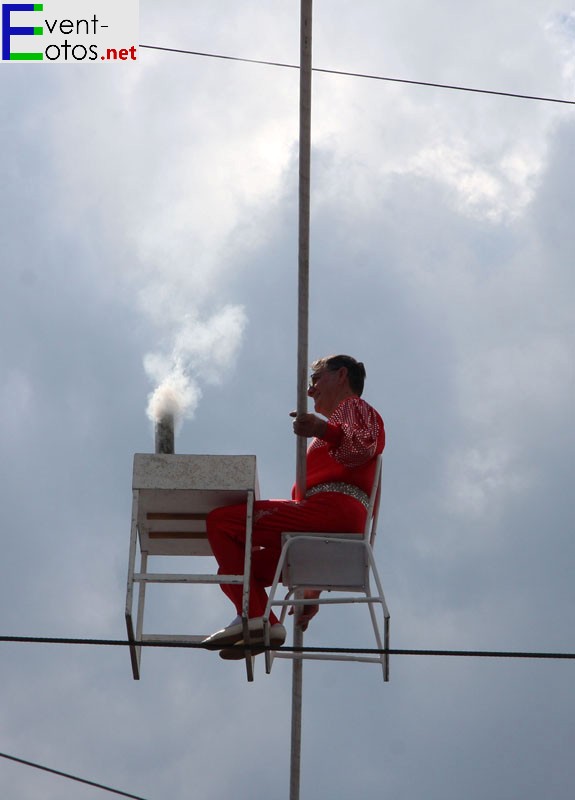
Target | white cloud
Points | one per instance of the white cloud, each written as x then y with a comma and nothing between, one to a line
481,479
561,30
495,192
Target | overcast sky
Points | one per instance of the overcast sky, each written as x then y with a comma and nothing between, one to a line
149,213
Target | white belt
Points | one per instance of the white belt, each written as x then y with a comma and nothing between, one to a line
343,488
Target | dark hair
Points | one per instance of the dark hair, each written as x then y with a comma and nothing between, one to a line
355,370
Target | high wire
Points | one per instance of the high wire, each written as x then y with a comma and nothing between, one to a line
70,777
307,649
366,76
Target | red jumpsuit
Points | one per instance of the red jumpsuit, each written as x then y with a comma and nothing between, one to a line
354,437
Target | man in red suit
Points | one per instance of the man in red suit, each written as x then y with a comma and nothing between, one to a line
340,469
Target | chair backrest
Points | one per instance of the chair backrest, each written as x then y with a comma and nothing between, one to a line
333,560
374,502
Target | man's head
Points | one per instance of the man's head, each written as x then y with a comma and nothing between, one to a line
355,370
333,379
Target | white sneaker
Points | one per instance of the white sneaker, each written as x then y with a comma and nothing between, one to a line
237,651
234,633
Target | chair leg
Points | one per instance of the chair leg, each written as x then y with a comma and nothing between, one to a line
386,642
134,651
386,615
141,604
246,585
377,634
381,601
266,619
134,654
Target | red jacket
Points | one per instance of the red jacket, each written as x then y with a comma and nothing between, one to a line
355,436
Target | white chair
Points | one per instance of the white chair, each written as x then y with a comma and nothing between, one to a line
172,496
341,564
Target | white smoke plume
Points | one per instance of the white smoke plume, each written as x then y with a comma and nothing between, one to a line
202,352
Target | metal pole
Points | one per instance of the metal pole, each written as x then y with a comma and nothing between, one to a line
302,354
296,705
304,214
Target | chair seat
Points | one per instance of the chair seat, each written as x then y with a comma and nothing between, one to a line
325,561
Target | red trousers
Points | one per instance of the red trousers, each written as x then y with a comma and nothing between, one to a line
326,512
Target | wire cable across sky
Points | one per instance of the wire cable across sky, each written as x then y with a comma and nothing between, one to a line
366,76
178,644
69,776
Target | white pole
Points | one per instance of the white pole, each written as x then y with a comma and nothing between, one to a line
302,354
303,250
296,705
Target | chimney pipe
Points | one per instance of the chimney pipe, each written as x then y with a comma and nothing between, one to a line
165,434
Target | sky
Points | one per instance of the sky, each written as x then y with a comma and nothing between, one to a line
149,230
